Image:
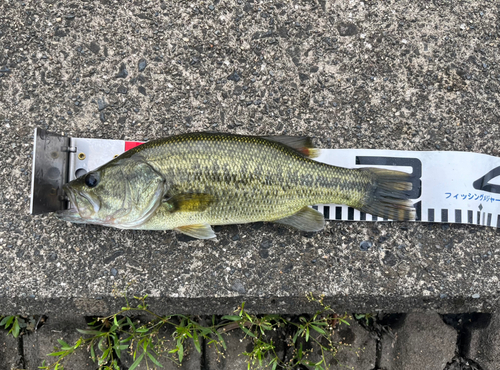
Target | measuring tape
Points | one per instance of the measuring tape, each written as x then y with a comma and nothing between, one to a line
449,187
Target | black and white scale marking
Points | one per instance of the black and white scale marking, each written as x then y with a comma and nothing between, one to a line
336,212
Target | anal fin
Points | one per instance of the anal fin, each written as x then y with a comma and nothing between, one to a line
307,219
199,231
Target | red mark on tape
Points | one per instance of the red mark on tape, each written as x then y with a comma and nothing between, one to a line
132,144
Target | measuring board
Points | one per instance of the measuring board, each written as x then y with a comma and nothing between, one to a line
449,187
455,187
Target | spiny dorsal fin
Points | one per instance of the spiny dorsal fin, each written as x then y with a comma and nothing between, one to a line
307,219
188,202
199,231
302,144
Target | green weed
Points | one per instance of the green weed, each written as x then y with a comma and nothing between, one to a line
108,338
17,324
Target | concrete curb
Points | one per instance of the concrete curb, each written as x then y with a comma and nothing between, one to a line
412,341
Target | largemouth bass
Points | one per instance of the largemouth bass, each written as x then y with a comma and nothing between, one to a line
192,181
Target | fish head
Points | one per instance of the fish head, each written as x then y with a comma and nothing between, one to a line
123,193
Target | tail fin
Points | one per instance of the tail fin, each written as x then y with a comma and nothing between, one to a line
388,196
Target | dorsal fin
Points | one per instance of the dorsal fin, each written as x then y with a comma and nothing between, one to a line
301,144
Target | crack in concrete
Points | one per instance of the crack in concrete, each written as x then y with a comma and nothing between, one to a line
20,352
463,324
203,357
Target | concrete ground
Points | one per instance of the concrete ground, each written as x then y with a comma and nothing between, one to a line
416,75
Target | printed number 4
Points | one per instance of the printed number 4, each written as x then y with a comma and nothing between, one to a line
483,182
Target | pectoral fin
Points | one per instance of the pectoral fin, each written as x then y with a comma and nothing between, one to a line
200,231
189,202
307,219
302,144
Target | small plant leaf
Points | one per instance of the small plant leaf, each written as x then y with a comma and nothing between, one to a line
100,345
15,328
92,352
275,365
78,343
242,308
196,341
231,317
5,320
320,323
137,361
104,357
63,343
155,361
247,332
181,352
128,339
299,332
319,330
223,342
89,332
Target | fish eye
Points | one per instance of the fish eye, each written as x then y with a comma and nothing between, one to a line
91,180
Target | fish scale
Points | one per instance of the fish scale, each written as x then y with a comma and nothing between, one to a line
267,180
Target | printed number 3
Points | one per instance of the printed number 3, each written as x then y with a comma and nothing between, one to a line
416,174
414,163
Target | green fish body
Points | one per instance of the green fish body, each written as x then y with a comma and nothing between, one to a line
189,182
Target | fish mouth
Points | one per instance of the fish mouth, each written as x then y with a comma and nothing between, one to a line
93,202
78,212
71,215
